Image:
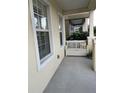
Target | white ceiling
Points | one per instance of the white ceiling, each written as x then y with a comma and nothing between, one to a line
77,21
79,15
67,5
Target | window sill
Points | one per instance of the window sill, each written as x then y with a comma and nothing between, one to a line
45,61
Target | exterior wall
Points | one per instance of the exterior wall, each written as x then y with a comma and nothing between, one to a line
38,80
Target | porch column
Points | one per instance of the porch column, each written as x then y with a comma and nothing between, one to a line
70,29
91,24
91,30
85,25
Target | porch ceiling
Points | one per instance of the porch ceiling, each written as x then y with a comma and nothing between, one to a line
78,15
77,21
76,6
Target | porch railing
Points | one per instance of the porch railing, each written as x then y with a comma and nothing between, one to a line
76,48
76,44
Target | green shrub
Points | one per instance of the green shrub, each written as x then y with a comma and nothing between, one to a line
78,36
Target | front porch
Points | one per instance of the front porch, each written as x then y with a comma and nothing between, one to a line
73,76
56,64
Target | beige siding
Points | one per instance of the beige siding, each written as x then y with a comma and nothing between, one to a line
38,80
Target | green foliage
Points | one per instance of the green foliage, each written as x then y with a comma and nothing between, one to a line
79,35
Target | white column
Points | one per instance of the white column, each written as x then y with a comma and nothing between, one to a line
86,22
91,34
85,25
91,31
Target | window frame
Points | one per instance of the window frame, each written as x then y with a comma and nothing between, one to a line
42,62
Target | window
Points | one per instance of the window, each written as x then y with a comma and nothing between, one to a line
61,30
42,29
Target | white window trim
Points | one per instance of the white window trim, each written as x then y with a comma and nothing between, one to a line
50,55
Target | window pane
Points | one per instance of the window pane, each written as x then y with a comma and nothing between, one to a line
43,43
60,23
44,11
47,48
34,2
61,41
36,21
39,11
41,14
35,9
40,8
35,6
61,30
43,22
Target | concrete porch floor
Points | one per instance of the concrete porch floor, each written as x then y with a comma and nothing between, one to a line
73,76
